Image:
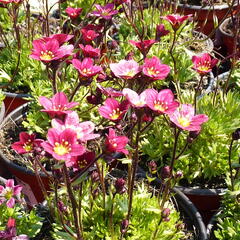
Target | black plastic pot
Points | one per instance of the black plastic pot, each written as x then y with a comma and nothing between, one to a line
23,176
212,225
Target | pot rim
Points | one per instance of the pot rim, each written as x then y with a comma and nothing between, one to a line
2,112
14,116
201,191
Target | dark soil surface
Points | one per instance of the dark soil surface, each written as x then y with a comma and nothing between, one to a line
203,2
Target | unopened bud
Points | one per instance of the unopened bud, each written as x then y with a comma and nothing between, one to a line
165,172
236,134
179,174
180,226
152,166
61,206
192,135
166,212
94,176
120,185
124,226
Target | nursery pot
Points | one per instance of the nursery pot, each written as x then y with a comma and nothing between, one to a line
212,225
14,100
23,176
207,201
2,112
204,16
225,39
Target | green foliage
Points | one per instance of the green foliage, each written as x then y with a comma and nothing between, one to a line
28,223
145,217
229,219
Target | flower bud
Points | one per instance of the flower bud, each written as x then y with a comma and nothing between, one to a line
152,166
124,226
161,31
165,172
166,212
236,134
179,174
61,206
120,186
94,176
192,135
180,226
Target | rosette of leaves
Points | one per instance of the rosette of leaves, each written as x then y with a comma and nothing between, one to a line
207,156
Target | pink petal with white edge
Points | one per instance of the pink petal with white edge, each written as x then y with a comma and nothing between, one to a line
45,102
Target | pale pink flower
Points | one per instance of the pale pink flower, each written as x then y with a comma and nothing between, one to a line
154,69
125,69
9,193
135,100
185,118
162,102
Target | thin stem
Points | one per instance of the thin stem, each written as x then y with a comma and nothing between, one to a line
80,207
182,151
196,93
73,201
157,228
111,216
230,164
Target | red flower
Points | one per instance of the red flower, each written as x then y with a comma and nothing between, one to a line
161,31
113,110
105,12
89,51
154,69
73,13
49,49
27,143
88,35
57,105
116,143
143,46
86,68
161,102
176,20
204,63
80,162
62,145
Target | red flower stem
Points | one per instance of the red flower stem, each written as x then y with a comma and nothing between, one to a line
196,93
80,207
183,150
134,166
73,202
46,18
230,165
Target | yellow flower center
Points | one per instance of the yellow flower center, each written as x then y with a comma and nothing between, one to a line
130,73
82,163
183,121
151,71
86,71
28,147
47,55
115,114
62,148
8,194
160,106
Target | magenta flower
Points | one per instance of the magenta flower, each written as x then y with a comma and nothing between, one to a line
105,12
136,100
61,38
204,64
88,35
109,92
50,50
73,13
154,69
113,110
125,69
6,1
9,193
161,31
86,68
176,20
89,51
161,102
80,162
27,143
143,46
184,118
83,130
57,105
62,145
116,143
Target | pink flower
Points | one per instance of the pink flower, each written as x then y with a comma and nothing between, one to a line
143,46
80,162
62,145
113,110
105,12
86,68
184,118
204,63
83,130
116,143
176,20
162,102
89,51
9,193
61,38
154,69
50,50
136,100
57,105
6,1
73,13
27,143
88,35
109,92
161,31
125,69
